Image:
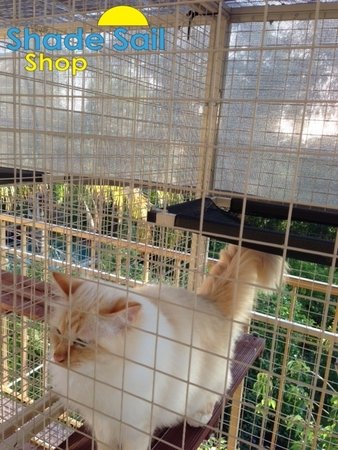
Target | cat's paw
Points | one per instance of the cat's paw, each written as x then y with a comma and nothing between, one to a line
200,418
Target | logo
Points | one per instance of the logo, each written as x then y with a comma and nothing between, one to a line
123,20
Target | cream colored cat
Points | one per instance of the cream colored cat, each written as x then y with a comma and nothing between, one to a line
132,361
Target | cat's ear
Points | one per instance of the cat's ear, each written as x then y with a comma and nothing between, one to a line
115,318
125,311
65,283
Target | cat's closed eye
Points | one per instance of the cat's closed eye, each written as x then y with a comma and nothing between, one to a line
77,342
81,343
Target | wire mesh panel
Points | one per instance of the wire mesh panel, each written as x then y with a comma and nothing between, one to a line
142,123
110,141
230,98
277,142
278,122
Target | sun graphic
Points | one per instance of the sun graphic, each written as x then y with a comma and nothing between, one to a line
123,16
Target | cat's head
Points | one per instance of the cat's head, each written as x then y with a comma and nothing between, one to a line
86,315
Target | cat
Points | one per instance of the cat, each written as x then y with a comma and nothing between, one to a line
131,361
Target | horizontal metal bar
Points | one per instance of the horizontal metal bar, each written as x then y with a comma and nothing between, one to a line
311,285
91,236
296,327
142,248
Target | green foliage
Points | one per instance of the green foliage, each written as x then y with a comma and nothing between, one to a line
308,435
312,271
263,389
36,270
308,229
25,346
306,432
306,371
214,443
297,368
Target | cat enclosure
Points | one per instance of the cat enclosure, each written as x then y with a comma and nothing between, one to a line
134,156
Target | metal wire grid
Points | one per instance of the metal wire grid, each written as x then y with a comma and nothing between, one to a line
278,123
111,126
139,119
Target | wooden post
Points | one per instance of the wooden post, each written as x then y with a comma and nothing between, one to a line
118,263
24,360
279,402
3,256
213,90
69,249
235,417
23,249
177,272
146,268
4,353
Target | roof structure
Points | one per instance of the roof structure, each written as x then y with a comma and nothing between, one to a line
42,8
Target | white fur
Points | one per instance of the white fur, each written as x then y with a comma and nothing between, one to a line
168,363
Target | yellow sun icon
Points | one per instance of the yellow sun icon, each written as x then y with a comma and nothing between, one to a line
123,16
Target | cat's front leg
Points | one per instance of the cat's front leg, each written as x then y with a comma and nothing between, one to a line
107,442
112,446
139,442
201,417
101,446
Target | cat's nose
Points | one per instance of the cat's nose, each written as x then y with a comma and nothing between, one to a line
59,357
